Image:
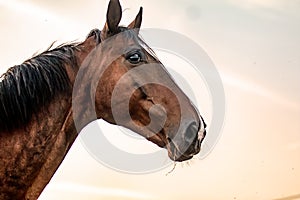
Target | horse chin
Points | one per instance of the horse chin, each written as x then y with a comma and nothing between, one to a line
181,158
173,152
176,155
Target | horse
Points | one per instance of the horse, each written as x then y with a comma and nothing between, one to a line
37,124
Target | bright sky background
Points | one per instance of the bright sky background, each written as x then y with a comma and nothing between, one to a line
255,45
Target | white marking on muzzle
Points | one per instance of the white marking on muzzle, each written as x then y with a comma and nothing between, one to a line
202,130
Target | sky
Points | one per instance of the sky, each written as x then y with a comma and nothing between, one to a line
255,48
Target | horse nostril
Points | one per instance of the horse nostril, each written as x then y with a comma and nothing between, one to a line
191,133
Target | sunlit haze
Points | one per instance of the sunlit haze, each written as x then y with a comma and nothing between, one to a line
255,47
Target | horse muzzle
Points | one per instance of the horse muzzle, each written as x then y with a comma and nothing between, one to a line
184,148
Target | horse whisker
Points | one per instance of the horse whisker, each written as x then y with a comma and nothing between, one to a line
174,165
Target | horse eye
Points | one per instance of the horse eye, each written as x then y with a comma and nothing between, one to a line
134,58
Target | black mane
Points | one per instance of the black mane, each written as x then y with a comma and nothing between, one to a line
25,88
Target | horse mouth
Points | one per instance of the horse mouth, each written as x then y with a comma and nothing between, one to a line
190,151
177,156
182,158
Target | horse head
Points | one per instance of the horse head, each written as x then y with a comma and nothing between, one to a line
136,91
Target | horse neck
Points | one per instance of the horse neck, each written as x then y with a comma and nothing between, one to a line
34,152
67,132
31,155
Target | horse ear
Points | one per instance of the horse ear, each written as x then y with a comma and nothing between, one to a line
136,24
113,18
